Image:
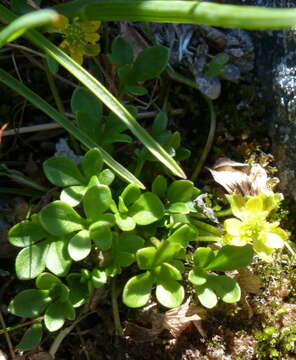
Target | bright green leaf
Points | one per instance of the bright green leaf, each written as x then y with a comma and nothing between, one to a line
79,245
58,260
130,194
146,257
147,209
31,338
226,288
84,100
170,293
79,291
47,281
180,191
159,186
203,256
183,235
26,233
72,195
56,313
96,200
206,296
101,235
197,277
137,290
92,163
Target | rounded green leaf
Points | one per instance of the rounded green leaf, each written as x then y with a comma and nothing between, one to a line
202,257
47,281
30,261
29,303
137,290
146,257
231,257
85,101
58,260
147,209
79,291
122,52
197,277
79,245
106,177
130,243
170,293
179,208
56,313
206,296
130,194
92,163
98,278
125,222
62,171
96,200
26,233
159,186
72,195
101,235
166,271
31,338
166,252
180,191
58,218
183,235
226,288
150,63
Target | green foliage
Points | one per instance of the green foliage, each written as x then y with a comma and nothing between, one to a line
147,65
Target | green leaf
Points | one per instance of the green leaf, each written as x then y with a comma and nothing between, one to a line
183,235
96,200
31,338
92,163
79,291
79,245
146,257
72,195
90,125
167,272
147,209
179,208
137,290
58,260
26,233
136,90
216,65
57,313
101,234
206,296
29,303
159,186
202,257
125,222
170,293
180,191
98,278
231,258
166,252
130,194
58,218
130,242
197,277
159,124
150,63
226,288
47,281
122,52
62,171
85,101
21,7
30,261
106,177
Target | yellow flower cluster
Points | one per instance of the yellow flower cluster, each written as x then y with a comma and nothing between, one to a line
251,225
80,37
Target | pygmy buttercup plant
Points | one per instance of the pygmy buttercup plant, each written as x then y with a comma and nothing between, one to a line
80,37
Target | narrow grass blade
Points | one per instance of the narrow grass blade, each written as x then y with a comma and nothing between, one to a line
34,19
37,101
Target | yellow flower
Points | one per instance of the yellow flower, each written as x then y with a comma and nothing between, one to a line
251,226
80,37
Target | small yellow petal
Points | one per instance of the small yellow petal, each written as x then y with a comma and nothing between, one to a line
92,37
235,240
264,252
233,226
273,240
254,205
90,26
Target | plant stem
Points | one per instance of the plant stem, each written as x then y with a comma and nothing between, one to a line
139,167
26,323
53,88
116,317
209,142
207,227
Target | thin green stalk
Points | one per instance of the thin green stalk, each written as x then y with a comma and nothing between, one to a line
116,317
209,142
207,227
53,88
186,12
223,213
26,323
139,167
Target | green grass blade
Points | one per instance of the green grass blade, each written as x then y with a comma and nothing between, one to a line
186,12
37,101
34,19
102,93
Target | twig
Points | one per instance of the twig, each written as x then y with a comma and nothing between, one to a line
7,337
50,126
116,318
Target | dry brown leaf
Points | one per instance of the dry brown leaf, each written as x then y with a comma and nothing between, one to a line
249,281
240,178
178,319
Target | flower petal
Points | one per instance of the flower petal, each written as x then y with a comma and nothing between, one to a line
274,241
235,240
233,226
